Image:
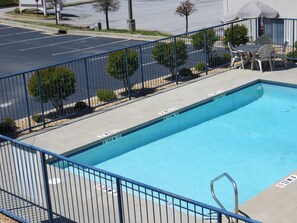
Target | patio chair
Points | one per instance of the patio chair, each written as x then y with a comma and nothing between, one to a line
236,55
280,52
263,55
262,40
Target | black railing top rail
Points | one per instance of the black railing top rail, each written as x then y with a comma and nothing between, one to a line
132,46
11,215
166,193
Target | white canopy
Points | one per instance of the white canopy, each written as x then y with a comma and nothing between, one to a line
253,9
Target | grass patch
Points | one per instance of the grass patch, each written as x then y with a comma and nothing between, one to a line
8,2
31,13
140,32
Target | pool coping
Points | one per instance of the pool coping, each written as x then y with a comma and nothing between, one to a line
79,133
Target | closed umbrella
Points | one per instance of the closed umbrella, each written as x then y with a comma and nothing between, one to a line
251,10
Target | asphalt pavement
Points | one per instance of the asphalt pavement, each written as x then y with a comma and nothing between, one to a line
25,49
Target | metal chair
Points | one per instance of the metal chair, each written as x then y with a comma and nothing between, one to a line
263,55
236,55
280,52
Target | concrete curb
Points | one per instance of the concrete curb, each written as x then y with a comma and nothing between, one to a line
29,26
115,35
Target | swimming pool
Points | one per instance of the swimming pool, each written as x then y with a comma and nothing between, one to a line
248,133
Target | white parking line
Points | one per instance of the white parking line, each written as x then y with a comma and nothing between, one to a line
18,33
54,44
6,28
92,47
146,64
27,40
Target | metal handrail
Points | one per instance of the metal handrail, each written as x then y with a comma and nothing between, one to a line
235,193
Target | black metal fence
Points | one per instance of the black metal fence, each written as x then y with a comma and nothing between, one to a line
38,97
40,186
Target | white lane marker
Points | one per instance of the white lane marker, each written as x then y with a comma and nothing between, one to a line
7,104
6,28
27,40
13,34
54,44
146,64
92,47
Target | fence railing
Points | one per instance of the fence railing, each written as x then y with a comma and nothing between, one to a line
40,186
39,97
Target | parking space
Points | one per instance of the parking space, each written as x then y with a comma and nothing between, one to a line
24,49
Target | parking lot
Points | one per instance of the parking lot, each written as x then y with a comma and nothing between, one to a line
24,49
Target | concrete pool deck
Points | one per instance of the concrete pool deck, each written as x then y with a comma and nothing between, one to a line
272,205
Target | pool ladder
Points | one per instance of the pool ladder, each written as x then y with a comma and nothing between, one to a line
230,220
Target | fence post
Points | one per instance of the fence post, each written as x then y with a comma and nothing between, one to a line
175,61
232,36
27,102
46,188
87,80
206,52
119,196
40,95
293,41
219,218
141,70
127,73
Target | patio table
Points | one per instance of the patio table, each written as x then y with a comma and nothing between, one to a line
251,49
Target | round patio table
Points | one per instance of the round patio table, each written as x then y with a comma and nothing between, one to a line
250,51
249,48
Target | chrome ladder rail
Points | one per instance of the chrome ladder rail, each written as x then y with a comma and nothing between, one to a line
235,193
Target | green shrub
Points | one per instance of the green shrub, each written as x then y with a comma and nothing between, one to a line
295,45
8,125
198,40
106,95
184,72
240,35
264,39
226,57
164,54
17,10
200,67
116,65
81,105
37,118
291,55
55,83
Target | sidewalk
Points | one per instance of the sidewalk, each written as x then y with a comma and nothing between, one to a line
149,15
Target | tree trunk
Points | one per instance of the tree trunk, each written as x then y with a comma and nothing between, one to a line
106,18
58,104
187,24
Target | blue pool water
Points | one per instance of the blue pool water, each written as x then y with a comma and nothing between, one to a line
250,134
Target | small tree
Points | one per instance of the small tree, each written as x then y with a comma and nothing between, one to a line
199,42
116,65
106,6
238,35
55,83
185,8
164,54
